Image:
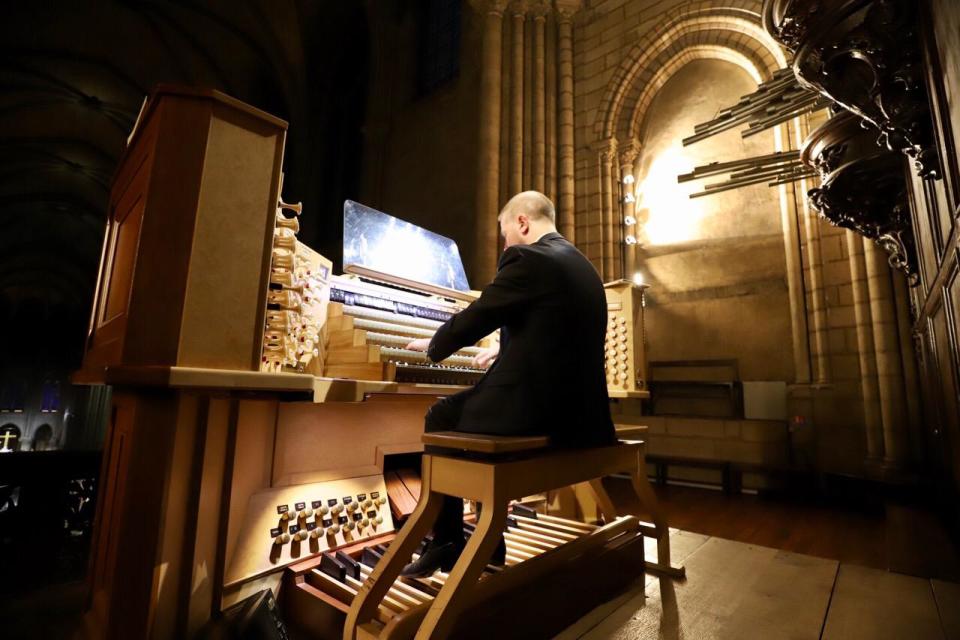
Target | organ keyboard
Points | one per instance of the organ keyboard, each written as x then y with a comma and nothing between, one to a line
369,326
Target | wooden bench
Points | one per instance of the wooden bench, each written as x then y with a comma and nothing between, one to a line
662,464
731,472
494,470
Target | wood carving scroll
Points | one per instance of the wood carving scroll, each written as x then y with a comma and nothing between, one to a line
866,56
863,188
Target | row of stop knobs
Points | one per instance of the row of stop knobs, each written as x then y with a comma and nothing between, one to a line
616,350
334,528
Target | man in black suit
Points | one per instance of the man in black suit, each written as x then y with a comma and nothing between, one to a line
547,376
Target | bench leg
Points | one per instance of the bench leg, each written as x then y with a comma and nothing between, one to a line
641,485
369,596
603,499
648,500
439,620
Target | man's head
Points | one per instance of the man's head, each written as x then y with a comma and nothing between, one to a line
526,218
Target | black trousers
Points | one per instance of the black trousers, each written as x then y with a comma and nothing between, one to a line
444,416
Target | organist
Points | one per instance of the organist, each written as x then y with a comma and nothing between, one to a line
546,377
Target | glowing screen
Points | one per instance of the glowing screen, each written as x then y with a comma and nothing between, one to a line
381,242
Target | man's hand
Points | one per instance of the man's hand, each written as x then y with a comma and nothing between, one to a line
486,356
420,344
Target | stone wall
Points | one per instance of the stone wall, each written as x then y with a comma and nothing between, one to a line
828,320
715,265
761,279
420,150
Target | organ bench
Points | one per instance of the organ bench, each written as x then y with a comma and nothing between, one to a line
492,470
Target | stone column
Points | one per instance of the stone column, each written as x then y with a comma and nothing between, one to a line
870,390
887,352
528,100
818,305
790,196
518,11
539,11
609,196
551,115
488,155
565,186
628,208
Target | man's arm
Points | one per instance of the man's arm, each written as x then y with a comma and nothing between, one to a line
507,294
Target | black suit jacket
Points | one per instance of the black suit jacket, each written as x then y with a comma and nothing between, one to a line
548,302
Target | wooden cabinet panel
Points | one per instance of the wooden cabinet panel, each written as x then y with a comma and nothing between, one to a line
943,79
923,232
947,425
187,252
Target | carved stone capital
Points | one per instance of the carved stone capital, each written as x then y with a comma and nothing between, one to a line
607,150
539,9
495,7
629,153
567,8
519,8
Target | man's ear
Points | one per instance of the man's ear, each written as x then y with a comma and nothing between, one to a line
524,223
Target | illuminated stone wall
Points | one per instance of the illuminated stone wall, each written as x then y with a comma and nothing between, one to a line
715,265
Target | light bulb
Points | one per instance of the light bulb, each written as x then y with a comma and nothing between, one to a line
628,179
627,199
638,278
630,240
629,221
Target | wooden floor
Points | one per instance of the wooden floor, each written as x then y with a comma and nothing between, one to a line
883,535
735,590
756,568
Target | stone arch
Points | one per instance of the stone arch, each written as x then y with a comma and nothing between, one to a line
42,438
725,29
634,126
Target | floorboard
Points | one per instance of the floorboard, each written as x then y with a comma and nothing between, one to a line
947,595
682,545
732,590
903,538
877,605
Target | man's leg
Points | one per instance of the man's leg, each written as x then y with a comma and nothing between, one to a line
448,539
444,416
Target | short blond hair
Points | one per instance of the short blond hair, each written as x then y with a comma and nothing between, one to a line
533,204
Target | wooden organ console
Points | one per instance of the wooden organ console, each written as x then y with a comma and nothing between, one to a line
256,396
369,326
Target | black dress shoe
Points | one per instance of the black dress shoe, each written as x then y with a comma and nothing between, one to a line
435,556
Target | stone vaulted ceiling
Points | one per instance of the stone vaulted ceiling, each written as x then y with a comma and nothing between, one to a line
73,76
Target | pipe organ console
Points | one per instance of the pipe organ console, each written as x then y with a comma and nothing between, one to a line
256,397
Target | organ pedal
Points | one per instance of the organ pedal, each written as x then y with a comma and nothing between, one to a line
547,543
